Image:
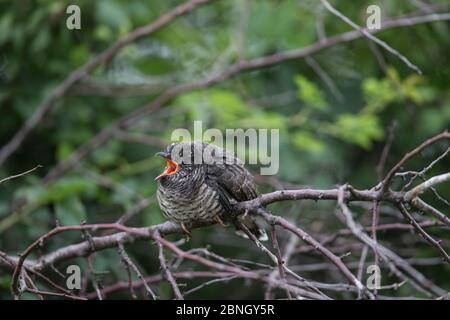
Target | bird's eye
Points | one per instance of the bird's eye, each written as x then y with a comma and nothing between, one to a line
180,154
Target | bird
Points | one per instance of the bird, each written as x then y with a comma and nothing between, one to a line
202,182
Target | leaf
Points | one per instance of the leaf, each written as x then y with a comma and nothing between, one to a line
304,140
61,190
378,94
310,94
361,129
222,105
79,55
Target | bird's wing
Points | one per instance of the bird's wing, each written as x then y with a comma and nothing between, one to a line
235,183
232,179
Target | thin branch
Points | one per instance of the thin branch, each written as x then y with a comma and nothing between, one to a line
133,266
276,247
396,262
367,34
423,233
20,174
421,188
94,275
168,274
127,268
54,294
386,181
207,283
39,242
423,206
271,219
121,285
423,171
385,153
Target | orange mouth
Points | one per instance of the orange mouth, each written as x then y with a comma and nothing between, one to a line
171,168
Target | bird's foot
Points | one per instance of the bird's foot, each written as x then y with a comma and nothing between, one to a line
219,221
187,233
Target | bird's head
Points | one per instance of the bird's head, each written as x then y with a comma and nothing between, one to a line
182,158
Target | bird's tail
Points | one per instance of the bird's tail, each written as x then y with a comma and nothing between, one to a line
253,226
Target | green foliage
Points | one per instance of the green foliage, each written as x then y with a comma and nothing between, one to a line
310,94
304,140
358,129
379,93
61,190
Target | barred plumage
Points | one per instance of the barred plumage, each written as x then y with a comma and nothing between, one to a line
192,191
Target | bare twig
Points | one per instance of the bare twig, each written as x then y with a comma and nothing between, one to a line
133,266
168,273
423,171
271,219
383,44
95,277
420,282
55,294
423,233
20,174
387,179
423,206
276,247
418,190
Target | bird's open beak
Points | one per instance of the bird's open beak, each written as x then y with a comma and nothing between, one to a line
171,167
163,154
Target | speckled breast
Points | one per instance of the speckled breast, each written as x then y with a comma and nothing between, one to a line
201,206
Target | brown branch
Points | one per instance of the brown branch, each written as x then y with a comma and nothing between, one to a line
277,220
237,271
121,285
168,274
54,294
421,188
342,195
133,266
276,247
39,242
423,206
128,270
396,262
100,243
423,233
423,171
376,204
386,181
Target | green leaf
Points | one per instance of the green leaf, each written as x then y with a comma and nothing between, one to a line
305,141
378,94
361,130
310,94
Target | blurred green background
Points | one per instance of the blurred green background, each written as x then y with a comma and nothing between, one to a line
333,110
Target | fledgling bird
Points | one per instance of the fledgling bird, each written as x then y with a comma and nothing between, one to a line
201,182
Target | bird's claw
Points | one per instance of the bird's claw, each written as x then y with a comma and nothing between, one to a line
219,221
187,233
